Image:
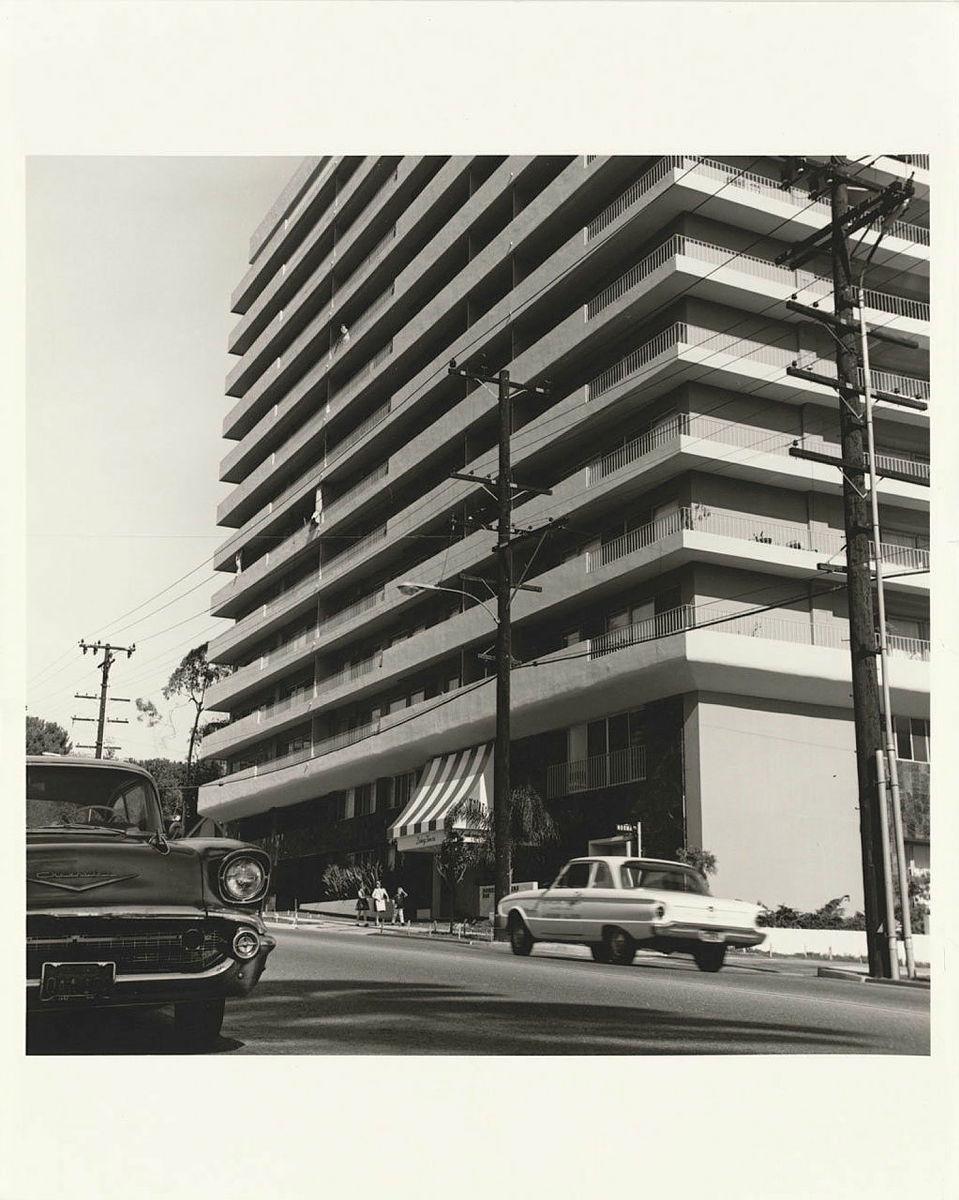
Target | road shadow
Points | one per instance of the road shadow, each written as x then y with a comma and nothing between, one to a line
112,1031
351,1016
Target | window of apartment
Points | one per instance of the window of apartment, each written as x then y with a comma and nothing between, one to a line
363,800
912,738
617,732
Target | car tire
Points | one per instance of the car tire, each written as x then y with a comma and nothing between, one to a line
621,947
710,958
600,952
520,938
197,1023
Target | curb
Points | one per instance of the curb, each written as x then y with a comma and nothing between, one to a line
923,984
856,977
837,973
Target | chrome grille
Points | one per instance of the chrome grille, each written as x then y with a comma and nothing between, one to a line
133,953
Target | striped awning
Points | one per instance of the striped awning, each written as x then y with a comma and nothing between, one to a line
447,781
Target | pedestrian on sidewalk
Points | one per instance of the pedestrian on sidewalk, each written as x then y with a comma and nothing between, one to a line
379,896
399,905
362,907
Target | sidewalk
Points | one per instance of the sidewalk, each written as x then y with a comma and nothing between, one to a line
480,939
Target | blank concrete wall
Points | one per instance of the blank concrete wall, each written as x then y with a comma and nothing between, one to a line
772,787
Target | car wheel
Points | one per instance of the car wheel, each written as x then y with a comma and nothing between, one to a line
600,952
710,958
197,1022
520,938
621,947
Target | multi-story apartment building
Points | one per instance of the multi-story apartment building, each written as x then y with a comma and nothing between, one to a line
645,290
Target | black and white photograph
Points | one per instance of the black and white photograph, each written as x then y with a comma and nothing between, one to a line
478,605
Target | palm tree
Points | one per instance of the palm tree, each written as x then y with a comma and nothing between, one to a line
531,824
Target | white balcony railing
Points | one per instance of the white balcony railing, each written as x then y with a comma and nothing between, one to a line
728,433
601,770
913,160
701,519
683,335
713,169
748,264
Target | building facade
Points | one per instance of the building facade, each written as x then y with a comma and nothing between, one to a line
644,289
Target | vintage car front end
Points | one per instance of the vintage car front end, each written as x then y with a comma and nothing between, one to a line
119,915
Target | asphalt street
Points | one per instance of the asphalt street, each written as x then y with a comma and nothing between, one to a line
339,990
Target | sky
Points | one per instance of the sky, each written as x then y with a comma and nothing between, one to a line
130,263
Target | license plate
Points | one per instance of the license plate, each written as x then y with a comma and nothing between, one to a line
76,981
707,936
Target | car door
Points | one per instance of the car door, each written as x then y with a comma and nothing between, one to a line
559,909
599,905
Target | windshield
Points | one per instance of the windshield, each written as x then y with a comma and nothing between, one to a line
662,878
101,798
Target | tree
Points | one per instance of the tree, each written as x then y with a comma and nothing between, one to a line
531,824
169,777
453,859
703,860
47,737
191,679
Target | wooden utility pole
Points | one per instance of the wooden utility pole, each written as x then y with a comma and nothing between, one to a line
502,787
854,464
504,489
105,665
862,634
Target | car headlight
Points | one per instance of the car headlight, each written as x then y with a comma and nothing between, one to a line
242,878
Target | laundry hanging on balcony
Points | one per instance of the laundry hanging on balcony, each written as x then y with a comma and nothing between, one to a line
448,781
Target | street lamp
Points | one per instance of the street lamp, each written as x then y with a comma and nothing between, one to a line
409,588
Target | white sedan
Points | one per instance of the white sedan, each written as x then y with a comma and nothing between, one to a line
616,905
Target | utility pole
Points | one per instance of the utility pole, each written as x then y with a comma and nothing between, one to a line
502,786
890,768
104,667
862,635
873,829
504,490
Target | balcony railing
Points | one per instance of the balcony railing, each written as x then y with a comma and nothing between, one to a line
361,430
600,771
913,160
749,264
700,519
358,547
290,650
719,171
683,335
688,618
342,503
727,433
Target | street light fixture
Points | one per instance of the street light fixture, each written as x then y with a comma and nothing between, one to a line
409,588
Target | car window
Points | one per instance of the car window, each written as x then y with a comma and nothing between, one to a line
576,875
131,807
64,794
602,876
661,879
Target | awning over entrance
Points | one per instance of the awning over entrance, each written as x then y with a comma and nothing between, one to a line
448,780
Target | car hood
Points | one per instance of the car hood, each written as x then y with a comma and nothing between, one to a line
65,871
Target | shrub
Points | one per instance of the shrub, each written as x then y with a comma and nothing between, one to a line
343,883
830,916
